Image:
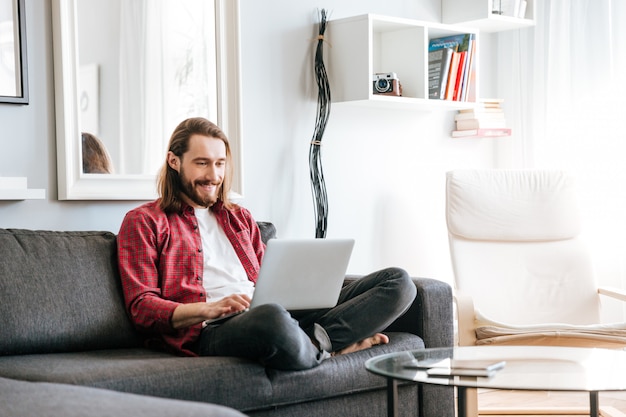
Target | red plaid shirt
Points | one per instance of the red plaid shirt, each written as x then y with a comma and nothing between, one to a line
161,266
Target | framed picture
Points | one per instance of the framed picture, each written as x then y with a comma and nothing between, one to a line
13,62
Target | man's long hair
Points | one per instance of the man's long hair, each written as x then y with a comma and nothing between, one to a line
169,182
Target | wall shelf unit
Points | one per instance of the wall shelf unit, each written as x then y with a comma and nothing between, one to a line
19,195
15,189
478,14
363,45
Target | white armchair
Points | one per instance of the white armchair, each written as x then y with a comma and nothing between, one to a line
522,272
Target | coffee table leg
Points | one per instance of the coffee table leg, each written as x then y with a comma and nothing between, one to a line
392,397
461,401
593,404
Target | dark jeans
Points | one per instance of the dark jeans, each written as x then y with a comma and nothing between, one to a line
282,340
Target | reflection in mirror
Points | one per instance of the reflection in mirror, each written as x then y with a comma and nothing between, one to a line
151,64
96,159
126,73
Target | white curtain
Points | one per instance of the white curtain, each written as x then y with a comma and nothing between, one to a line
564,89
167,73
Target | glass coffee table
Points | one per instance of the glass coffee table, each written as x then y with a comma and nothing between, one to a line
534,368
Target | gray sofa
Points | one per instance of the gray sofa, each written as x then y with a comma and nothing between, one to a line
41,399
65,334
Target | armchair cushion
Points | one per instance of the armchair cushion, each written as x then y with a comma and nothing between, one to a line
523,272
511,206
598,335
516,249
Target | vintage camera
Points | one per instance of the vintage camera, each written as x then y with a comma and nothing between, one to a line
387,83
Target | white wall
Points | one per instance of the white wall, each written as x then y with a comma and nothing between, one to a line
384,169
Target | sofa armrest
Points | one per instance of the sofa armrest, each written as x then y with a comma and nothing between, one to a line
430,316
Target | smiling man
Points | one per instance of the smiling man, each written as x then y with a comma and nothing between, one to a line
193,255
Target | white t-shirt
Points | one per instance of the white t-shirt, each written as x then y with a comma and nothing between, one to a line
223,273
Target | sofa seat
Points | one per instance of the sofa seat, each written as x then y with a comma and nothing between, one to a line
219,380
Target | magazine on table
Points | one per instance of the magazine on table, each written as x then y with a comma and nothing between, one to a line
460,367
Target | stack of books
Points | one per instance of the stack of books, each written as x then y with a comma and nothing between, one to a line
451,73
486,119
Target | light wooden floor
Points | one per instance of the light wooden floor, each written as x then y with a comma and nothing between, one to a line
503,398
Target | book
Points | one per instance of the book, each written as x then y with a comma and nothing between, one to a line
481,133
461,372
490,106
469,77
458,84
490,102
509,7
479,115
465,124
461,44
13,183
467,367
438,68
482,110
521,13
452,73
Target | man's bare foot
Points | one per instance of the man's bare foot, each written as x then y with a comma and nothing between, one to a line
377,339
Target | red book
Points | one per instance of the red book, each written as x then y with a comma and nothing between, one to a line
454,69
458,85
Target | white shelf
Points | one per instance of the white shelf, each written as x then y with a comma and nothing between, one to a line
363,45
28,194
407,103
14,188
478,14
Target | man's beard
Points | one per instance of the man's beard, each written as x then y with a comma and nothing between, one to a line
188,188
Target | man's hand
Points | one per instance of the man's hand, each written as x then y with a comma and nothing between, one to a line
231,304
186,315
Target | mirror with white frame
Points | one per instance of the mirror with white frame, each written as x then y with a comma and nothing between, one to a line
90,77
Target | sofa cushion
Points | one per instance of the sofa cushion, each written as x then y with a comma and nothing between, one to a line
234,382
28,399
60,292
268,231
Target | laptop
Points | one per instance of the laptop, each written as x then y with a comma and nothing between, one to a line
300,274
